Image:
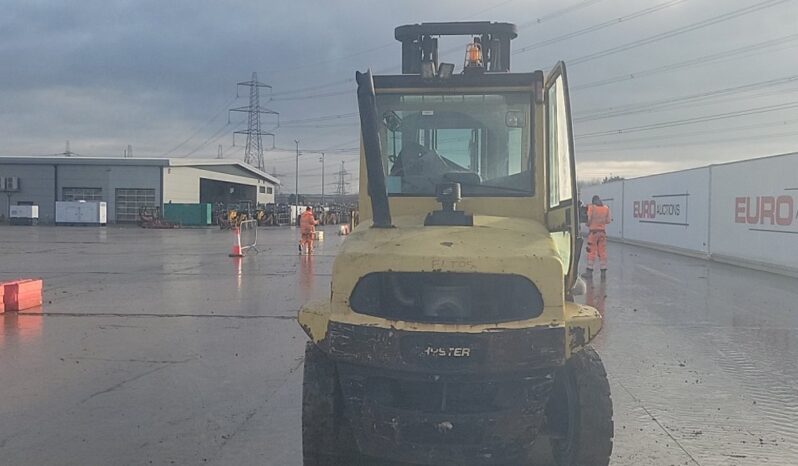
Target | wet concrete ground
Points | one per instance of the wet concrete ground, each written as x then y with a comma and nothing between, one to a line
154,347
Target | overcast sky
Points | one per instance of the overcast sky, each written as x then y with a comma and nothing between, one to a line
160,75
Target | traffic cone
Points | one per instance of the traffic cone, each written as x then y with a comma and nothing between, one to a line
236,252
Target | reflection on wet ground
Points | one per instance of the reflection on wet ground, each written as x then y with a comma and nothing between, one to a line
703,357
154,346
596,293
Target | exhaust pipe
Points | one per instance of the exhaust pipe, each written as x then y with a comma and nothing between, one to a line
369,129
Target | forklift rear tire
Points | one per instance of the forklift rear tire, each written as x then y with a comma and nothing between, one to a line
326,436
579,413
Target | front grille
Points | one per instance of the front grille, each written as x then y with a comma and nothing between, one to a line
442,297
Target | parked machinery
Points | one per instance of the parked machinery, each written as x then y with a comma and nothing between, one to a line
150,217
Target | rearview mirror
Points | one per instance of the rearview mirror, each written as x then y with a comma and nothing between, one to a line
515,119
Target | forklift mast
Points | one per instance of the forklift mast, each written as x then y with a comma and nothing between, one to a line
420,43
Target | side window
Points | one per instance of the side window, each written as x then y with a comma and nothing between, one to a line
559,150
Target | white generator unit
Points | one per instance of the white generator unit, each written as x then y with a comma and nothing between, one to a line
81,213
24,215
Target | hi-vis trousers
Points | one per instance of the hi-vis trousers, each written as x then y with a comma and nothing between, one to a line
597,246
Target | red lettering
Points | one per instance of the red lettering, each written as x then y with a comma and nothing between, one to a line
636,209
648,209
740,206
784,210
767,209
752,219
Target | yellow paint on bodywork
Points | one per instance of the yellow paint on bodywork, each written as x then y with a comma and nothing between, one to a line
493,245
582,324
314,318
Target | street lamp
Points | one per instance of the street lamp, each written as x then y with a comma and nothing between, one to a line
296,183
321,159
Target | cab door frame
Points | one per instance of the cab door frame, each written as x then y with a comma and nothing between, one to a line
562,216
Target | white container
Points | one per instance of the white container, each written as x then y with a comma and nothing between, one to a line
24,211
81,212
296,211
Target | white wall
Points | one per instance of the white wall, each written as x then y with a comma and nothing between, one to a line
755,212
182,184
744,213
669,210
611,195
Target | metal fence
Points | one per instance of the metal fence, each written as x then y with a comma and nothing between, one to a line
249,236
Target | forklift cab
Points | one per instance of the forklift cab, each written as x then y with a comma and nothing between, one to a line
504,138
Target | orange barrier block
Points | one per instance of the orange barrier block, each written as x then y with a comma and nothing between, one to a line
2,303
22,294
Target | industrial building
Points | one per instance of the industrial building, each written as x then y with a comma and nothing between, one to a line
127,184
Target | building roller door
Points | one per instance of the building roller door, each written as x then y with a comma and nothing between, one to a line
130,200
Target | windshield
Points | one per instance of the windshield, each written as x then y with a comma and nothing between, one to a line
482,141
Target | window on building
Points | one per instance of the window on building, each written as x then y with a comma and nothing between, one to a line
82,194
263,189
130,200
269,190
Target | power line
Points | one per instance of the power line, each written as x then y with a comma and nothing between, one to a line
319,126
561,12
675,32
683,134
200,128
548,17
699,143
485,10
689,121
687,63
321,118
282,95
314,96
599,26
341,58
612,112
211,139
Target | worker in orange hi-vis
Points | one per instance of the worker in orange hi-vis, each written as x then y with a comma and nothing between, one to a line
307,227
598,216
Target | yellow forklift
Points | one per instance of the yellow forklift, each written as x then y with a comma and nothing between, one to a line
451,336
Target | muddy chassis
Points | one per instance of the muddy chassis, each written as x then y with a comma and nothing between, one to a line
379,394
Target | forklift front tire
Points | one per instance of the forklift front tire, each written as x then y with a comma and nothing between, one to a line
326,437
579,412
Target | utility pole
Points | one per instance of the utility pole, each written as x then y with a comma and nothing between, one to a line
129,151
67,152
296,178
253,154
219,154
341,185
322,178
